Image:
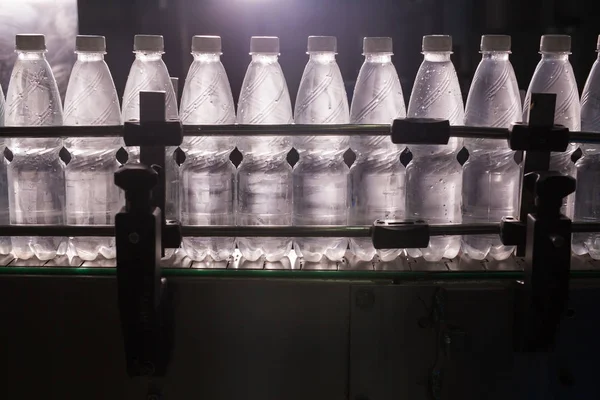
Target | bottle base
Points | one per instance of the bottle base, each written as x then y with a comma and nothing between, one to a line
271,248
479,247
208,249
43,248
439,247
90,248
313,250
363,250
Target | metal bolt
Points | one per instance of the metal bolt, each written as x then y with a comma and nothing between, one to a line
134,238
557,240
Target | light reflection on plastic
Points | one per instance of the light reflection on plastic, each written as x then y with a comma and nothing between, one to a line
57,19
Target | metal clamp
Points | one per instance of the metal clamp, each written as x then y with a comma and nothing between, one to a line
420,131
153,133
547,266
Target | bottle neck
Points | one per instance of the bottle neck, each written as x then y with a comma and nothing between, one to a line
266,58
323,57
148,55
31,55
495,55
207,57
378,57
437,56
555,56
89,57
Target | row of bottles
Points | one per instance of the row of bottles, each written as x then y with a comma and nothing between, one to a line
207,190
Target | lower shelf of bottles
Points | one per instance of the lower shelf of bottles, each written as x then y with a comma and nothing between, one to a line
296,268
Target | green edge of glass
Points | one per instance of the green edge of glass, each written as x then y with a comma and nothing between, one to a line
289,274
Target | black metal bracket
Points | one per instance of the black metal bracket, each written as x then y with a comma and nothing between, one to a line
143,296
544,139
420,131
153,133
389,234
545,288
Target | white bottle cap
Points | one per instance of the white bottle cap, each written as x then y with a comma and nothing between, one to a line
495,43
90,43
437,43
148,43
264,44
318,44
30,42
377,45
555,44
598,44
206,44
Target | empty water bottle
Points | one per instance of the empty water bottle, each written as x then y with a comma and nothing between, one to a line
587,198
149,73
433,177
491,176
4,214
377,177
207,189
554,74
320,178
264,178
92,196
36,180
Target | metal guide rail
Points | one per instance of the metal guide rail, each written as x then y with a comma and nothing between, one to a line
403,129
541,233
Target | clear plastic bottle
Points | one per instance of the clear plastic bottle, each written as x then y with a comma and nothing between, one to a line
554,74
320,178
377,177
149,72
433,177
92,197
36,179
207,189
491,176
587,195
264,178
5,244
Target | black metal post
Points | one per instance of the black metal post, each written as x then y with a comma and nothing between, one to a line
547,266
142,291
541,116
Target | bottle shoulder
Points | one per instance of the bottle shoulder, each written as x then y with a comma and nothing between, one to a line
378,95
322,95
33,97
264,97
207,97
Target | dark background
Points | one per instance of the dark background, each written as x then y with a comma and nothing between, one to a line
406,21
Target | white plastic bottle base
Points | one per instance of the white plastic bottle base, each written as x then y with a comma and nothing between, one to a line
363,250
209,249
315,249
44,248
479,247
89,249
271,249
439,247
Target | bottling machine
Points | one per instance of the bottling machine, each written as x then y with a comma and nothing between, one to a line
147,328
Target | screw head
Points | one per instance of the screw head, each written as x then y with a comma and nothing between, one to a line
557,240
134,238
